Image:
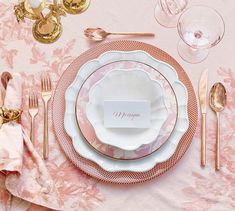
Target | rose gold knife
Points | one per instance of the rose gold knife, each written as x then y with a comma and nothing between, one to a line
203,83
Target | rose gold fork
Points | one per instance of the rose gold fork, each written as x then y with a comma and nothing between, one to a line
33,111
46,96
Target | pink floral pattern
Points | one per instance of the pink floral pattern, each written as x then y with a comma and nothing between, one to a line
77,190
205,193
187,186
114,152
5,196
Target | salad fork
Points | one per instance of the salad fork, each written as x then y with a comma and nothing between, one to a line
46,92
33,111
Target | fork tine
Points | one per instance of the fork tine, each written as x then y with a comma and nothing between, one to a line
48,83
30,105
42,85
31,99
44,82
49,80
34,100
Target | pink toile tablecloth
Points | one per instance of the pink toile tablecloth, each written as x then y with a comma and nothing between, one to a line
185,187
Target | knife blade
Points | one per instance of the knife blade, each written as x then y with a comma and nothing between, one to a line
203,84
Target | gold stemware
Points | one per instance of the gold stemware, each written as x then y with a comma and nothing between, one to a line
46,29
75,6
218,100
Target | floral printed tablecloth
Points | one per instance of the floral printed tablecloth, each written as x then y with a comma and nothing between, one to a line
185,187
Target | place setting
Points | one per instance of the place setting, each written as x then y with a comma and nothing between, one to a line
129,108
116,131
123,112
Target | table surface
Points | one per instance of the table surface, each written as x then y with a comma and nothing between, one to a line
185,187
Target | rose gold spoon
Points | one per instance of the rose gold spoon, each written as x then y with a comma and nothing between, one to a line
218,100
98,34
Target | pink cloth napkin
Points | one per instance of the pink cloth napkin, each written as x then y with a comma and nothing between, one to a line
11,139
23,172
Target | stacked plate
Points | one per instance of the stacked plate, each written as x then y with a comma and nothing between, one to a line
129,72
132,76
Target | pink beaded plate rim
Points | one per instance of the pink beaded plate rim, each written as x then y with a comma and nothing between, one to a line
91,168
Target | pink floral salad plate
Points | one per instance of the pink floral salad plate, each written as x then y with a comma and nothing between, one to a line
122,80
77,97
132,85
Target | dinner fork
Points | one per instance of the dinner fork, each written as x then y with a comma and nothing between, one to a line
33,111
46,96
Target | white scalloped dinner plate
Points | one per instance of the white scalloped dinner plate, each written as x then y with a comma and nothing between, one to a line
124,85
138,165
114,152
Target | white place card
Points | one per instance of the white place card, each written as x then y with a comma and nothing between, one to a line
127,114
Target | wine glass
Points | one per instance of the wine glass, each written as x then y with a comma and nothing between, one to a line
167,11
200,28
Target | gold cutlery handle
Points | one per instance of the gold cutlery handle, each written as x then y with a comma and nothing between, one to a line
45,132
32,130
133,33
203,140
217,145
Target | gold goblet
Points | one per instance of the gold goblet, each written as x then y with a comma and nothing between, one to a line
75,6
45,29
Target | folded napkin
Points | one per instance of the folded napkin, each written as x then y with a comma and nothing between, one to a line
23,172
11,139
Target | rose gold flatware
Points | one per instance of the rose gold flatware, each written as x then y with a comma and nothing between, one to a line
202,92
218,100
33,111
98,34
46,91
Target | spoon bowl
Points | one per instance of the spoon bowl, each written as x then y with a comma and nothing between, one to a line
218,101
96,34
218,97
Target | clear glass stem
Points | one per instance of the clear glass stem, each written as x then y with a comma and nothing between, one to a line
191,55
